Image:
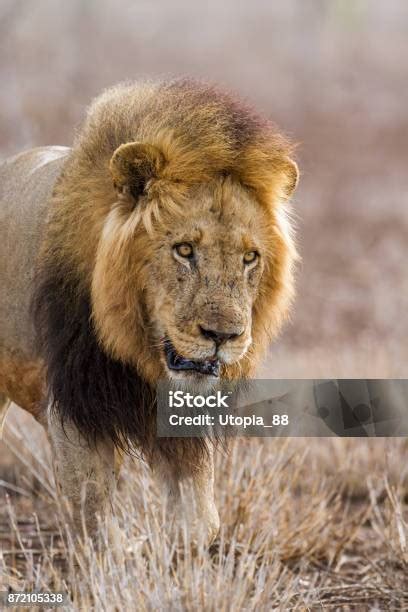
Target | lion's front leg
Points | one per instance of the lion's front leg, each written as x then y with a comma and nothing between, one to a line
84,474
189,491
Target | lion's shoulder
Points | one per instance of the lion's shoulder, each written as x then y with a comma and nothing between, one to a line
26,183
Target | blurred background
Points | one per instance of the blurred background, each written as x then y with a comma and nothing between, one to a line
333,75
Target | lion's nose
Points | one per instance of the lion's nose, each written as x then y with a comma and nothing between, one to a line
219,336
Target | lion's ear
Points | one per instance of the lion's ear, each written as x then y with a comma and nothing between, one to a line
291,172
133,164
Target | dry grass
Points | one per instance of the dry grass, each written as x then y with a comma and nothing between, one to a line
306,524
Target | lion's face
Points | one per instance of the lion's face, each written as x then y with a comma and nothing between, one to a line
190,281
206,267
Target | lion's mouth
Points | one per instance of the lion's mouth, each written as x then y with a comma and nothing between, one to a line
209,367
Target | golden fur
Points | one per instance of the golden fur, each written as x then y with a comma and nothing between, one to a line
165,250
198,157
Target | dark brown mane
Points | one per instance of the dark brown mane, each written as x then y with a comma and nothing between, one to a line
201,133
104,398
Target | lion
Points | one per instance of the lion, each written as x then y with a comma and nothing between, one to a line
158,247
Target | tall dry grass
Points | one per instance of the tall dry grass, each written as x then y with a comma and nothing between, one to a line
306,524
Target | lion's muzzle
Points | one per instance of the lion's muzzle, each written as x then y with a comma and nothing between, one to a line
219,337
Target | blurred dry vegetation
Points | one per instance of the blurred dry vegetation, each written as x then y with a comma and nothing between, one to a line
333,75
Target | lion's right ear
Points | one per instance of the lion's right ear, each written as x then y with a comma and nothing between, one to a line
133,164
291,171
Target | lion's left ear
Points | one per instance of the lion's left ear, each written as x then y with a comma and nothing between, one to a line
133,164
291,172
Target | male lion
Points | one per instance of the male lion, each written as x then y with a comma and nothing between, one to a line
156,247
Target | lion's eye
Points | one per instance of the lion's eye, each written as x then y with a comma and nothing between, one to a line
250,257
184,250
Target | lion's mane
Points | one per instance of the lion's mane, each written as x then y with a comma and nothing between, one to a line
203,133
